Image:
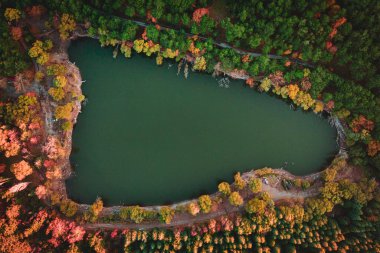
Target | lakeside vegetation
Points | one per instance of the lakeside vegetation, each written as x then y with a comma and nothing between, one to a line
328,62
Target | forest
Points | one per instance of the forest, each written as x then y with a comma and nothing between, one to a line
318,55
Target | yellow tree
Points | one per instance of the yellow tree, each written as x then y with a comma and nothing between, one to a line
126,50
12,14
137,214
318,107
94,211
281,91
159,59
224,188
205,203
166,214
255,184
60,81
235,199
200,63
56,69
64,111
256,206
329,174
293,89
56,93
239,181
68,207
138,45
169,53
66,26
39,50
304,100
265,84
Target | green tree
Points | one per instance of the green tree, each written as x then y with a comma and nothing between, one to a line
233,32
152,33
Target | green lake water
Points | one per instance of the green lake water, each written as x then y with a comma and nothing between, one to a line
147,136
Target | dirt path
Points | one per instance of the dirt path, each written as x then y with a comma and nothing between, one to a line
274,188
223,209
185,219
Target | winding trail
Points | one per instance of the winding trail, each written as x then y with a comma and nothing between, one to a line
273,187
185,219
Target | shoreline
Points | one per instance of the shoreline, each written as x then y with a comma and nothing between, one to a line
59,185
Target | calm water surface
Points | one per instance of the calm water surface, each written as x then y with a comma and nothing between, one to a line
147,136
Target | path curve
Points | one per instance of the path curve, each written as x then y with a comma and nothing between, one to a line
185,219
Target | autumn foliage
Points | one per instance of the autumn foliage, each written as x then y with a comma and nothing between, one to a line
12,14
21,169
40,50
205,203
9,141
361,123
373,147
66,26
16,32
235,199
199,13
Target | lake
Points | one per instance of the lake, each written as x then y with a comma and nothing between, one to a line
149,136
